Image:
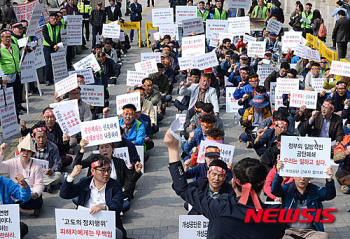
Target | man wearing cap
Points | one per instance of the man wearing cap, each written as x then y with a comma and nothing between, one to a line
201,92
109,67
282,73
51,37
163,84
219,13
326,124
260,11
247,97
99,192
46,150
134,130
97,19
314,74
113,11
306,25
226,213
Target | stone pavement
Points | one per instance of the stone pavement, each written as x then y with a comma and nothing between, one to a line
155,209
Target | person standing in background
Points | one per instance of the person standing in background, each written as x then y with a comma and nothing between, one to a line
8,14
97,19
136,16
113,11
71,10
341,34
84,8
306,25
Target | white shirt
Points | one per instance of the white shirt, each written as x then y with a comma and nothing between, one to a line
114,172
112,8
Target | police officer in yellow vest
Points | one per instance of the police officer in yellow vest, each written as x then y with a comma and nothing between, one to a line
260,11
219,13
9,64
306,25
51,37
84,8
201,12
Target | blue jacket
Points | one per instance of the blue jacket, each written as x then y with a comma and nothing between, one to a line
9,188
113,195
146,121
339,105
240,92
314,195
198,137
137,132
112,68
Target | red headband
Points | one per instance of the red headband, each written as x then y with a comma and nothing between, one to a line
5,32
205,113
76,89
207,124
217,168
324,60
212,138
329,104
148,82
268,52
257,93
197,109
315,67
16,24
128,111
341,84
39,129
247,189
205,78
281,122
48,113
327,71
254,79
212,150
258,100
98,164
244,71
139,90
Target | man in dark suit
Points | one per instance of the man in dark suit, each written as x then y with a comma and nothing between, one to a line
341,34
136,16
113,11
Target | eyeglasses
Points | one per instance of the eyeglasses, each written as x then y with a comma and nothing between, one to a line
341,88
282,127
107,170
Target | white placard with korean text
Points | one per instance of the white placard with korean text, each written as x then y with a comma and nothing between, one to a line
278,100
272,93
193,46
8,113
192,25
317,85
182,118
111,31
291,40
59,66
74,102
28,70
146,56
300,98
247,38
312,54
193,226
132,98
93,94
10,221
101,131
305,156
44,165
122,153
67,118
156,36
67,84
39,57
135,78
232,105
88,61
149,66
186,63
274,26
74,30
87,73
171,29
223,36
299,51
34,20
238,26
256,48
226,151
162,16
286,85
76,224
263,72
185,12
24,11
206,61
238,4
215,26
340,68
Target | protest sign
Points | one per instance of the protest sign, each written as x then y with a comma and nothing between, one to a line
182,119
145,56
175,125
140,152
247,38
238,26
299,98
340,68
263,72
10,221
44,165
232,105
291,40
186,63
111,30
278,100
93,94
214,40
206,61
46,15
87,73
64,37
162,16
286,85
274,26
24,11
28,71
317,85
88,61
102,131
192,25
34,20
256,48
132,98
67,84
75,224
272,93
299,51
223,36
226,151
122,153
312,54
59,66
148,67
74,102
193,46
185,12
171,29
68,118
8,114
74,30
135,78
193,226
215,26
238,4
305,156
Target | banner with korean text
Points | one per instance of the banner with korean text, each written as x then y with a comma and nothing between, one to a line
192,25
238,26
8,113
123,153
162,16
88,61
135,78
193,226
274,26
226,151
24,11
93,94
10,221
67,118
232,105
148,67
132,98
87,73
67,84
340,68
256,48
193,46
185,12
215,26
300,98
146,56
59,66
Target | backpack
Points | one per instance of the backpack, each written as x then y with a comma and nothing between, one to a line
322,31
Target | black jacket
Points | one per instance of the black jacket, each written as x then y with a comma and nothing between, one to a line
111,68
271,78
136,12
113,16
46,36
341,31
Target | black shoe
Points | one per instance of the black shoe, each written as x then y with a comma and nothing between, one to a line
85,48
22,108
147,5
48,189
36,212
334,48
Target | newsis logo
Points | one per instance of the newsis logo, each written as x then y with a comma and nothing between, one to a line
290,215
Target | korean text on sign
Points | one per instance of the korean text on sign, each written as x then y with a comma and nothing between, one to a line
67,118
226,151
193,226
133,98
300,98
